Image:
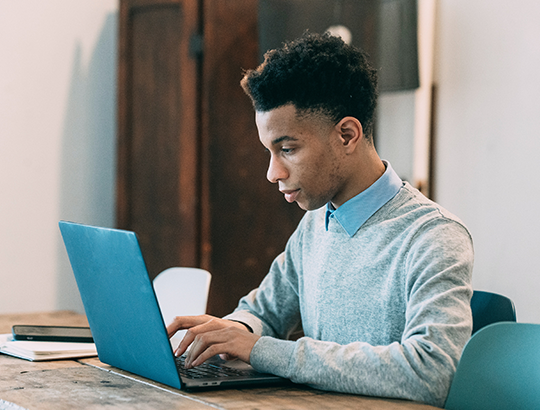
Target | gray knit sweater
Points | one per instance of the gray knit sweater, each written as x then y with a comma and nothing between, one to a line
385,312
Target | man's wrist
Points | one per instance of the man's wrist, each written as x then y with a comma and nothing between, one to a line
248,327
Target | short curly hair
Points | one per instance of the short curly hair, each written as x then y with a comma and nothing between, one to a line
317,73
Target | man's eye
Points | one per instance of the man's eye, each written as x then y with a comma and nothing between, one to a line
287,150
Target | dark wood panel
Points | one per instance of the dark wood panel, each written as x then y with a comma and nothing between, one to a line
246,220
191,171
158,163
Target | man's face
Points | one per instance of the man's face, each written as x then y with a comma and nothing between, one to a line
305,156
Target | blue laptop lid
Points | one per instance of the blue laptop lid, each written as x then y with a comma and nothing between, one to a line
119,301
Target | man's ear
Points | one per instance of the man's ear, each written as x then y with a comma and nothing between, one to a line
350,131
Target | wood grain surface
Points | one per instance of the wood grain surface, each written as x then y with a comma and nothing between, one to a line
90,384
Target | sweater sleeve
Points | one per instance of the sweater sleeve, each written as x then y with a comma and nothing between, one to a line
421,365
273,309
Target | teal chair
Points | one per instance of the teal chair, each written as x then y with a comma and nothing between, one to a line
499,369
488,308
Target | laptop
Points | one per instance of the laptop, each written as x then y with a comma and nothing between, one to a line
124,315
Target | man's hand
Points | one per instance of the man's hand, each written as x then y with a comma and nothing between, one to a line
209,336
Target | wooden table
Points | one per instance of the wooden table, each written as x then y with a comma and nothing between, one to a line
90,384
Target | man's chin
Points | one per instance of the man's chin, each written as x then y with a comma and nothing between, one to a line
309,206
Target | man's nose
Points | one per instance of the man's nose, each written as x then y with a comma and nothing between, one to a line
276,171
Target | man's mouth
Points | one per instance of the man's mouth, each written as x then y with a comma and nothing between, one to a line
290,194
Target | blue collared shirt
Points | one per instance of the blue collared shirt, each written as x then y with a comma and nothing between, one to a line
357,210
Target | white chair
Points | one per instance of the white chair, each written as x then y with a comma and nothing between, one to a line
181,292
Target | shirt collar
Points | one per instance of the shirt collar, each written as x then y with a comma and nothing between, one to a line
357,210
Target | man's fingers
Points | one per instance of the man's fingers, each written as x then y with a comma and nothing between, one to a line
188,339
186,322
201,335
230,341
207,345
209,352
191,334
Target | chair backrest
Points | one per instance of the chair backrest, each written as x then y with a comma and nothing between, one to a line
488,308
182,291
499,369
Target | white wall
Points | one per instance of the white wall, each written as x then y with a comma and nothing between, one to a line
395,131
57,141
488,139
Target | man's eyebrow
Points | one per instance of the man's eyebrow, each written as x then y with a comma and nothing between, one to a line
284,138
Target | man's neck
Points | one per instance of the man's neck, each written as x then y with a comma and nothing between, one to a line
366,168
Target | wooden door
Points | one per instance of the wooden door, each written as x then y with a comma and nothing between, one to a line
191,171
246,219
157,188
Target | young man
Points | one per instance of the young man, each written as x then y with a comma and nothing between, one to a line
376,275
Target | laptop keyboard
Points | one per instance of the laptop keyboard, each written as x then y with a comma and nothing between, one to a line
207,370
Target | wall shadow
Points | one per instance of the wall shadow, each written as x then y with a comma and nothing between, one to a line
88,151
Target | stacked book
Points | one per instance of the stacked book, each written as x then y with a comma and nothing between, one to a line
39,351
